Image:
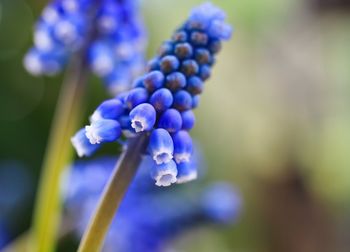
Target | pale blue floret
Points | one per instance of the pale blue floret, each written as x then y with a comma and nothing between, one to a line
205,13
70,31
37,62
143,117
109,109
82,144
102,131
161,146
101,58
164,174
183,146
186,172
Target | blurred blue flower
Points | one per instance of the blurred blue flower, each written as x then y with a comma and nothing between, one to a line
149,217
162,100
4,235
17,187
115,52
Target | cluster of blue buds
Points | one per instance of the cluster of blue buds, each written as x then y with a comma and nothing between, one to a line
162,100
161,215
115,53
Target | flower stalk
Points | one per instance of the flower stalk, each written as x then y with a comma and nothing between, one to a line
113,194
67,116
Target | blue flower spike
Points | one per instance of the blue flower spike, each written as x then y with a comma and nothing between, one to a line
82,144
161,101
116,54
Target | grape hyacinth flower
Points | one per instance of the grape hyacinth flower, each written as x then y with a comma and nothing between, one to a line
162,100
161,215
115,53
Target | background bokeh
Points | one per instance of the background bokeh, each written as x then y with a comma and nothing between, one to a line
274,120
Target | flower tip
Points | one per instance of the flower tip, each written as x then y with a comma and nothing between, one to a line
165,174
186,172
82,144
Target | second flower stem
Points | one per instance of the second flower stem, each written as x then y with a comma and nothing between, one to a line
112,196
67,115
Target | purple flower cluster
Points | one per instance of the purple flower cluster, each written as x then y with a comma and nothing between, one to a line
162,100
115,53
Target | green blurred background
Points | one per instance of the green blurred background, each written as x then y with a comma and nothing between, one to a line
274,119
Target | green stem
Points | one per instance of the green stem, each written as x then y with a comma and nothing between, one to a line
68,112
112,196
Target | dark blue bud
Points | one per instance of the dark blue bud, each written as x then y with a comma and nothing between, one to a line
153,64
161,99
143,117
109,109
164,174
220,29
136,96
169,64
153,80
161,146
82,144
195,101
188,120
170,120
189,67
202,56
182,100
166,48
122,97
138,82
186,172
199,38
180,36
183,51
103,130
194,25
175,81
182,146
195,85
214,46
204,72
